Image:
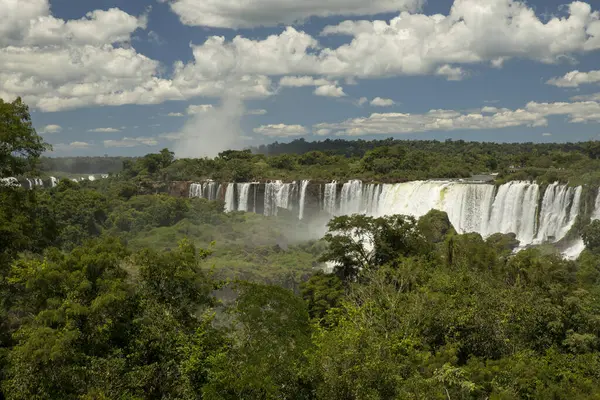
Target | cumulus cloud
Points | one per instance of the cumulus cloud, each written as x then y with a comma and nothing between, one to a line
575,79
362,101
51,129
379,102
57,64
451,73
546,134
587,97
281,130
175,114
533,115
131,142
247,14
200,108
301,81
91,62
329,91
105,130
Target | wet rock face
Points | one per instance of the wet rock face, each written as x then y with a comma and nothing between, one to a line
179,189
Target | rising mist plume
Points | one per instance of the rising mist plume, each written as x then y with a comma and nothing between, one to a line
208,133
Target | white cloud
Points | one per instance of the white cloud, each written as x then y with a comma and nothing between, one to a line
533,115
70,146
57,64
546,134
379,102
587,97
247,14
473,32
175,114
131,142
575,79
451,73
362,101
281,130
105,130
256,112
195,109
301,81
329,91
51,129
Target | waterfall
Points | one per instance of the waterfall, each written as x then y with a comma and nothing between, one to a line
53,181
469,206
278,195
351,198
330,198
518,207
243,191
11,181
195,190
229,198
514,210
303,188
560,206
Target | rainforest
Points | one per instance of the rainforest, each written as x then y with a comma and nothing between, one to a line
382,269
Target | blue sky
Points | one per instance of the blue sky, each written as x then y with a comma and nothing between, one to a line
127,77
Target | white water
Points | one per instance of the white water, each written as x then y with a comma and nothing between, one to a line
303,188
513,207
279,195
229,198
330,198
243,191
351,198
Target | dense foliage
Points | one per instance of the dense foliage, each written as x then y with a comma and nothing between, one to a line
378,160
108,292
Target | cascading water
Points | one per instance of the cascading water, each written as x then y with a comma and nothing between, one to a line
278,195
515,207
53,181
514,210
330,198
560,206
351,198
303,187
230,198
243,191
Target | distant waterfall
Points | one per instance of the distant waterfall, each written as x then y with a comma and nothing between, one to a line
279,195
533,214
560,207
303,187
330,198
514,210
351,198
53,181
243,196
230,198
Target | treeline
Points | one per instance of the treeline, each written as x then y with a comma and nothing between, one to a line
82,165
576,164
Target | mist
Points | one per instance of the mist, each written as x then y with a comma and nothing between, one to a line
208,133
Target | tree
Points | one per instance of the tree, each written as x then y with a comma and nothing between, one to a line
591,236
20,145
360,242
